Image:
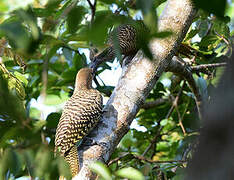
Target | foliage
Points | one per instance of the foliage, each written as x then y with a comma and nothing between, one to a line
41,49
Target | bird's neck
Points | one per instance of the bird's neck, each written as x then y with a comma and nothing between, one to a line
82,87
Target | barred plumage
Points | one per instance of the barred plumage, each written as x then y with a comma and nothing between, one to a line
127,38
81,113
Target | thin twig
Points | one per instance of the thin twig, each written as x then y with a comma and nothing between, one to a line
142,158
152,144
177,66
180,120
101,80
93,9
201,67
118,158
152,104
156,161
223,38
96,81
44,76
177,109
185,109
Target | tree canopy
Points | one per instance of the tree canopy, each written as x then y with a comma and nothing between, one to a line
44,43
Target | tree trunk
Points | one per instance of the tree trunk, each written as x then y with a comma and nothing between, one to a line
137,80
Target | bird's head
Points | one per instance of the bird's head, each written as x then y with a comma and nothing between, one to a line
84,79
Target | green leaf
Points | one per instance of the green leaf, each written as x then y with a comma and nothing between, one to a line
202,85
104,20
220,27
106,89
130,173
34,112
158,3
54,42
63,167
42,12
52,120
68,55
3,6
145,6
127,140
15,85
203,26
217,7
21,77
29,19
108,1
191,34
52,4
163,34
101,170
10,105
208,42
163,122
69,75
9,161
80,35
79,61
28,157
74,18
38,125
42,159
163,146
16,34
52,99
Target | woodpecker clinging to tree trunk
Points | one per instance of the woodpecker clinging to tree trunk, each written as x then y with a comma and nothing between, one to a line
126,39
80,115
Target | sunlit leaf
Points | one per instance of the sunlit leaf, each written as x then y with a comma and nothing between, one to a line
163,122
130,173
21,77
101,170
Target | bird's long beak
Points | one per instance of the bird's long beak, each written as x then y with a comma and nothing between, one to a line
94,66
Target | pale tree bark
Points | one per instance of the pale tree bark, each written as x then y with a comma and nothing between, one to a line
135,83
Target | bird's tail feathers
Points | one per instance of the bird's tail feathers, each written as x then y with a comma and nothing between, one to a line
73,161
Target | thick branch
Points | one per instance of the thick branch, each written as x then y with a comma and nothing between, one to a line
135,83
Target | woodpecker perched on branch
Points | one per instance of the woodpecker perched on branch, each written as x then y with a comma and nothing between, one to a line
126,39
80,115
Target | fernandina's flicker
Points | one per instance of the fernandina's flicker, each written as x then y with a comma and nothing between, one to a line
125,39
80,115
